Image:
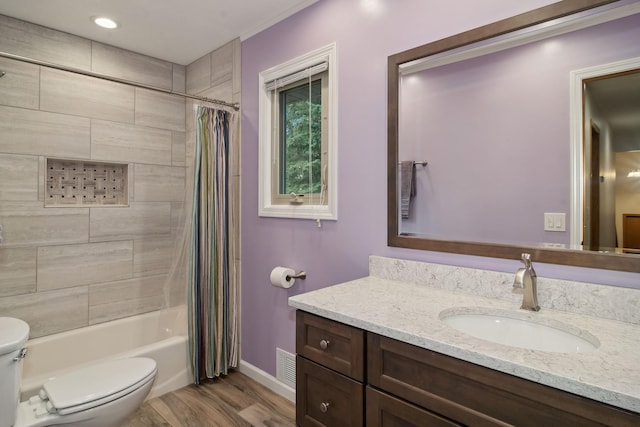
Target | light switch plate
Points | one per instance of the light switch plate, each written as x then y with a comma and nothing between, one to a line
555,222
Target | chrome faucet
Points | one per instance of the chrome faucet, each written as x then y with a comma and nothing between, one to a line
526,279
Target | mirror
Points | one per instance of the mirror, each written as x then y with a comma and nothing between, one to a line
497,175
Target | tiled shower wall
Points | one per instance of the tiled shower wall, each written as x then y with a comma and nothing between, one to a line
65,268
216,75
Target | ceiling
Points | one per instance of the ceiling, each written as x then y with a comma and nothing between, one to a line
176,31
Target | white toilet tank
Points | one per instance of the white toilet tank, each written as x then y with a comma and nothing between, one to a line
13,337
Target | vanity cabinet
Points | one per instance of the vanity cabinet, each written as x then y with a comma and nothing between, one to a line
405,385
330,372
473,395
385,410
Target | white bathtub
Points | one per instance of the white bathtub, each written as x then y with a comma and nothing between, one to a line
160,335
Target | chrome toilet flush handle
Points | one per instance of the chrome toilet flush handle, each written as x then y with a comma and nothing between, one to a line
324,344
21,355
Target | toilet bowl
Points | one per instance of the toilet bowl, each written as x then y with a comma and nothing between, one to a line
103,394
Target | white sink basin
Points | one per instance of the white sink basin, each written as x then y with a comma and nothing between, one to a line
524,330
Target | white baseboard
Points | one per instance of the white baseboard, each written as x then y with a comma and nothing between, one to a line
267,380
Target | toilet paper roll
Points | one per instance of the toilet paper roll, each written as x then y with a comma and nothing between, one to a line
279,277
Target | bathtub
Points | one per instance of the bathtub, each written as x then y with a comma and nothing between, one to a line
160,335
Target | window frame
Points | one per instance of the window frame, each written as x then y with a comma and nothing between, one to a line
271,203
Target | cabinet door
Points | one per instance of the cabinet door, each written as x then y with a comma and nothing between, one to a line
384,410
331,344
326,398
477,396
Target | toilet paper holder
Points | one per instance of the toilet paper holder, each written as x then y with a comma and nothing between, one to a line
300,275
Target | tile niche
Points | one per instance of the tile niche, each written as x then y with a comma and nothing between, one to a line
86,183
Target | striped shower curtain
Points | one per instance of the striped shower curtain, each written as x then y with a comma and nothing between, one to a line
212,288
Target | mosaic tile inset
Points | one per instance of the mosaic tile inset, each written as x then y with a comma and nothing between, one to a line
79,182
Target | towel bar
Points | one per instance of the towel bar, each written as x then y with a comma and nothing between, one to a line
419,162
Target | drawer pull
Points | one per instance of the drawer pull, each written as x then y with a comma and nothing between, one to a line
324,344
324,407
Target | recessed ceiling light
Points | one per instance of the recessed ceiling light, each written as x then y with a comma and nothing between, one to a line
104,22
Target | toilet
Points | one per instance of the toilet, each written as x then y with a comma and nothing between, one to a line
103,394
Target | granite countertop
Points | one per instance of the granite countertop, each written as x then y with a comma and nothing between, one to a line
410,313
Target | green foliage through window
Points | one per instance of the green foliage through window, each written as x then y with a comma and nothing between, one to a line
301,139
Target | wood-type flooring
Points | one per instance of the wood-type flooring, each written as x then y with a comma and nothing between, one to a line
230,401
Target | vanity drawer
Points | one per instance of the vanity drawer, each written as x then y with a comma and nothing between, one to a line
384,410
326,398
478,396
332,344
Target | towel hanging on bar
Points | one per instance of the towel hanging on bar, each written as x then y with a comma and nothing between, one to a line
407,186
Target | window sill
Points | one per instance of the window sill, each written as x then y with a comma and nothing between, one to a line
298,212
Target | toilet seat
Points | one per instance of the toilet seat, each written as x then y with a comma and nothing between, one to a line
96,385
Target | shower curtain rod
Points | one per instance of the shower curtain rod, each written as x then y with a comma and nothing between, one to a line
235,106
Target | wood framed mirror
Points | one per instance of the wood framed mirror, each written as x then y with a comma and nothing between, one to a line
459,44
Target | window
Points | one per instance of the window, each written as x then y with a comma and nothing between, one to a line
301,135
297,138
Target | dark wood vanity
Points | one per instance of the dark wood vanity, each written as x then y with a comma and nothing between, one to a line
350,377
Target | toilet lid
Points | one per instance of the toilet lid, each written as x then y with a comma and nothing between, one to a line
13,334
98,384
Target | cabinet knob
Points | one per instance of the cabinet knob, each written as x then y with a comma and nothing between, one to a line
324,344
324,407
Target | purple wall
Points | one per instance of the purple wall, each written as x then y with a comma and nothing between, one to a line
339,251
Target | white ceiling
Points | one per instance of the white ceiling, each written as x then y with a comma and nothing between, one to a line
179,31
